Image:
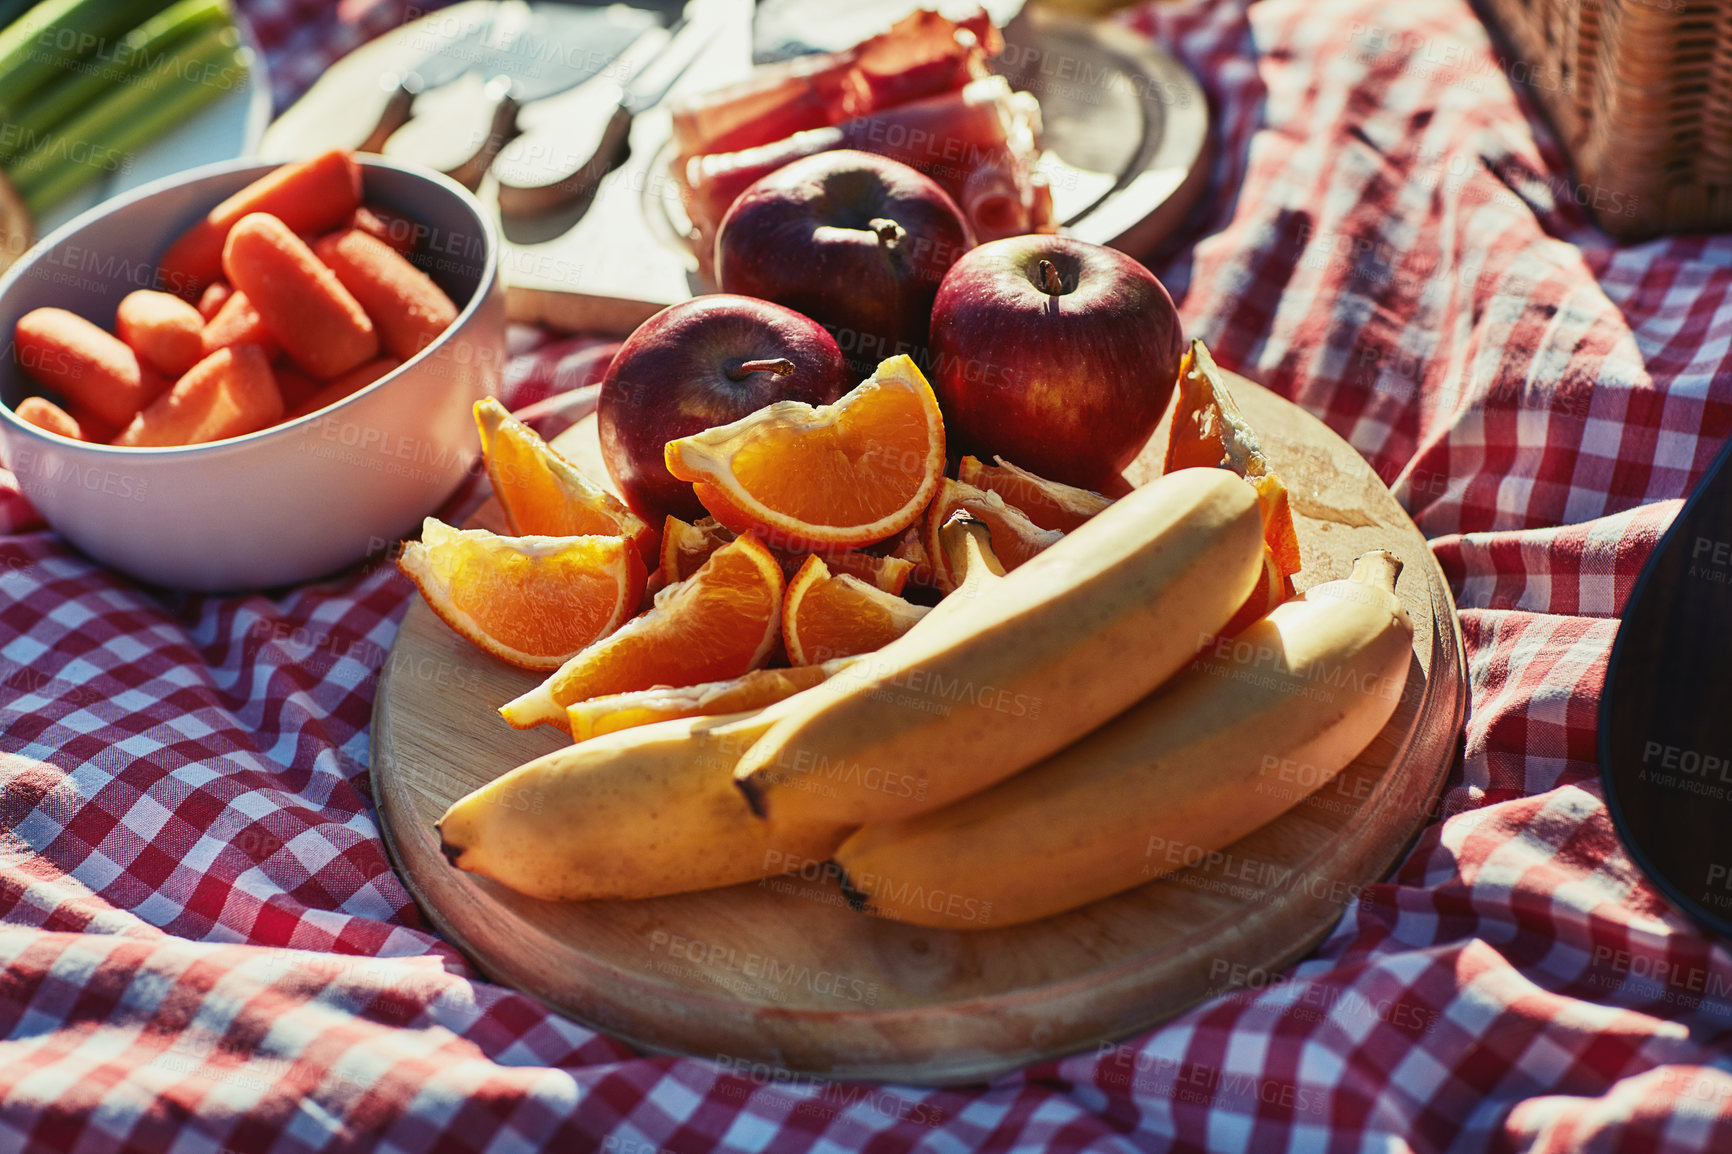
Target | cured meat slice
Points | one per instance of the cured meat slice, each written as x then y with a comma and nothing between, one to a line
922,55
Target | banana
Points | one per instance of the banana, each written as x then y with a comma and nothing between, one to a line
1061,645
1311,685
653,809
635,814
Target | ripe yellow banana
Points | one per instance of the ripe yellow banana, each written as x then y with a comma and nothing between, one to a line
1061,645
1309,685
652,809
639,813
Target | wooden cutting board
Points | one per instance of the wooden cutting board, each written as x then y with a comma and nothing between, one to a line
783,973
1126,138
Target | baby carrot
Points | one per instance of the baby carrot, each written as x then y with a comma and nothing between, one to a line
213,297
49,417
382,224
322,328
70,421
84,364
346,385
237,322
408,308
310,196
165,331
228,394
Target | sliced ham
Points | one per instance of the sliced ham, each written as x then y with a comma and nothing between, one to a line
922,55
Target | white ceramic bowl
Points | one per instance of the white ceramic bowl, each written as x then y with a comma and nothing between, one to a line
291,502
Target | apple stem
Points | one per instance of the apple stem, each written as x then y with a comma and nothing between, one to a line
781,366
1049,279
890,233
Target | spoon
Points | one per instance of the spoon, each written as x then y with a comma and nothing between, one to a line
1666,712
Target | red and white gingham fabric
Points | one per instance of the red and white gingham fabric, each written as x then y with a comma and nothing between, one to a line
205,948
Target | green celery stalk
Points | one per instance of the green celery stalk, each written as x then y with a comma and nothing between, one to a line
97,140
129,58
39,48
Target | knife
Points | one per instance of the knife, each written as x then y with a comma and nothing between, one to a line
463,100
570,142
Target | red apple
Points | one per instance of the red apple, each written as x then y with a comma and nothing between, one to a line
855,241
1058,355
701,363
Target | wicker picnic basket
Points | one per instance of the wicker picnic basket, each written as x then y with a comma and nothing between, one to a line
1640,92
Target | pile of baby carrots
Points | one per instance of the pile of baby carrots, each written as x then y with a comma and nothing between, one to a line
287,297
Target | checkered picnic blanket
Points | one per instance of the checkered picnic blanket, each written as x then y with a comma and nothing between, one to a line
205,948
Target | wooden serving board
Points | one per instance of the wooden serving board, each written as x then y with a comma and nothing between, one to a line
1126,139
784,973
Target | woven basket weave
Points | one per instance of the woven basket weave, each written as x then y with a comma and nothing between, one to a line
1640,92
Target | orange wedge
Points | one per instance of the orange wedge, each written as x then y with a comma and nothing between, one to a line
542,493
687,545
1015,538
1210,431
1049,504
721,622
910,546
754,690
1273,588
826,615
826,478
532,601
887,573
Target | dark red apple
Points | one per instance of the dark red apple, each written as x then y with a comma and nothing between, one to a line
857,242
1058,355
701,363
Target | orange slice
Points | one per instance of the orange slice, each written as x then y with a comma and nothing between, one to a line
532,601
686,545
754,690
542,493
721,622
826,615
910,546
1049,504
887,573
1015,538
826,478
1274,588
1210,431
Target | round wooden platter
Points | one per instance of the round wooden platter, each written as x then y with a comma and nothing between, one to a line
783,973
